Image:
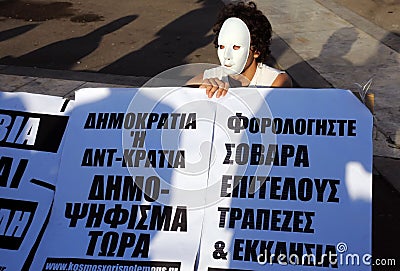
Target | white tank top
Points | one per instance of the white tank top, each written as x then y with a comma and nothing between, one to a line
264,76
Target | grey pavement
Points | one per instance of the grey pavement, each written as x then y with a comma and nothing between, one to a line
319,43
323,44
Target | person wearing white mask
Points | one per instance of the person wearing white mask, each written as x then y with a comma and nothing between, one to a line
243,37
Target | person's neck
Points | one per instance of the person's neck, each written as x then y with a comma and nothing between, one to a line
250,71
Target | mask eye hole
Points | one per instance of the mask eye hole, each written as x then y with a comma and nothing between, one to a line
236,47
221,47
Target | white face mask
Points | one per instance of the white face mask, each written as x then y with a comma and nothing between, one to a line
233,45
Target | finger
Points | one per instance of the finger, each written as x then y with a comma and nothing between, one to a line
219,92
207,85
226,87
223,89
221,84
214,87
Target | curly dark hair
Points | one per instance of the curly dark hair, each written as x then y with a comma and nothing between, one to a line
259,26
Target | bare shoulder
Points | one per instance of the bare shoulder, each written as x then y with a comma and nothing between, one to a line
283,80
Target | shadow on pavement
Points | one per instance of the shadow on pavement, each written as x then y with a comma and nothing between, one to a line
66,53
11,33
173,44
33,11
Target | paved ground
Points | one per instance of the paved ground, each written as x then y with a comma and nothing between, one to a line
57,47
384,13
92,36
